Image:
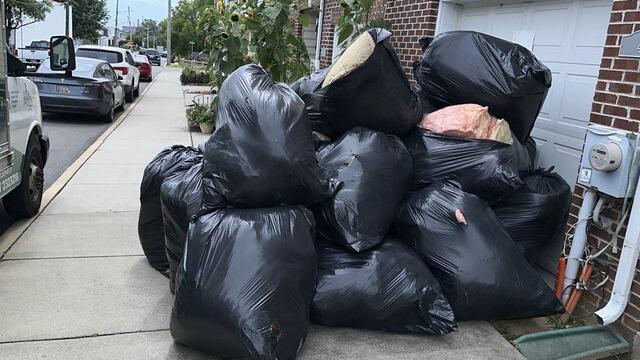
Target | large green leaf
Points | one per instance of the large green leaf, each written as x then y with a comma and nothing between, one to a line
272,12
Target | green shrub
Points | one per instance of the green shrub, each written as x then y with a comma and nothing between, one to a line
190,75
201,114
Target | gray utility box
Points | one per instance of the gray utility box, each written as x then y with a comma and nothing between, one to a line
609,161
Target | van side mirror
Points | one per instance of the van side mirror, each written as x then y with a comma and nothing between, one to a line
62,54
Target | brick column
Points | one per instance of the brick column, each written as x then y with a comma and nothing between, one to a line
410,21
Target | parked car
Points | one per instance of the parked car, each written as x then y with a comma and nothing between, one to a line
34,54
200,56
142,61
154,56
93,88
122,62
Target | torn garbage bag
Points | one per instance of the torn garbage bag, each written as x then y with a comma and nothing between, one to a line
386,288
375,169
487,168
365,87
470,121
535,215
246,282
262,152
481,272
461,67
181,200
150,230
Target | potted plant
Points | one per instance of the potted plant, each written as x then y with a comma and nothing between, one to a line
207,121
193,111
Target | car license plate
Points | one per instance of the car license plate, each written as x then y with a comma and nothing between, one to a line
63,89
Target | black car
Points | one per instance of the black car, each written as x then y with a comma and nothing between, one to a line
153,55
93,89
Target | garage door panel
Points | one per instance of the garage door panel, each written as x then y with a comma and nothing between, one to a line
559,151
550,36
576,104
593,16
506,22
476,21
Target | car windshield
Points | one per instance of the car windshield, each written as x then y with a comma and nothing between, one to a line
84,67
40,44
151,52
111,57
140,58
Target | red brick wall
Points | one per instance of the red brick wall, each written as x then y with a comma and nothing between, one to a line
332,11
616,103
410,20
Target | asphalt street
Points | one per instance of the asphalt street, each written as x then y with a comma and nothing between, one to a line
70,136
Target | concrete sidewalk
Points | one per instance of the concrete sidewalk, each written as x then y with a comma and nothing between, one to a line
77,286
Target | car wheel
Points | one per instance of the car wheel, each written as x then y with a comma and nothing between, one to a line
24,201
136,91
121,106
129,94
110,115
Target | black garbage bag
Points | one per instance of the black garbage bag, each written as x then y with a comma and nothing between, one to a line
467,67
246,282
369,91
181,200
532,150
386,288
535,215
481,272
150,230
486,168
262,152
375,169
425,105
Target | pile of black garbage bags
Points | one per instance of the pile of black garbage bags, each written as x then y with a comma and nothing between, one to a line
323,201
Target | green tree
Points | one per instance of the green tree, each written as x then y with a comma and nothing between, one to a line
161,37
184,29
19,13
277,49
140,36
89,18
357,17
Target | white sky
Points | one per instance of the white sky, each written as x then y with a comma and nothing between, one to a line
140,9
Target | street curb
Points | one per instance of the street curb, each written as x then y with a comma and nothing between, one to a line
19,227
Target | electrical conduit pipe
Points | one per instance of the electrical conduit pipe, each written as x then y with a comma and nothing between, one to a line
578,244
316,61
626,268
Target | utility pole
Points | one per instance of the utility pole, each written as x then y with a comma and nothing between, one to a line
147,45
129,18
66,19
115,36
169,34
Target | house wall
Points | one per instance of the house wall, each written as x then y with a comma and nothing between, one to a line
616,103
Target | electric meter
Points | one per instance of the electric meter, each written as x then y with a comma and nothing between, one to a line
607,163
605,156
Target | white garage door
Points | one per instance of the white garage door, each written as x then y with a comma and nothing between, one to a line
568,37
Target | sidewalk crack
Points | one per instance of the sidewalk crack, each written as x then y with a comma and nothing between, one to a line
83,336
